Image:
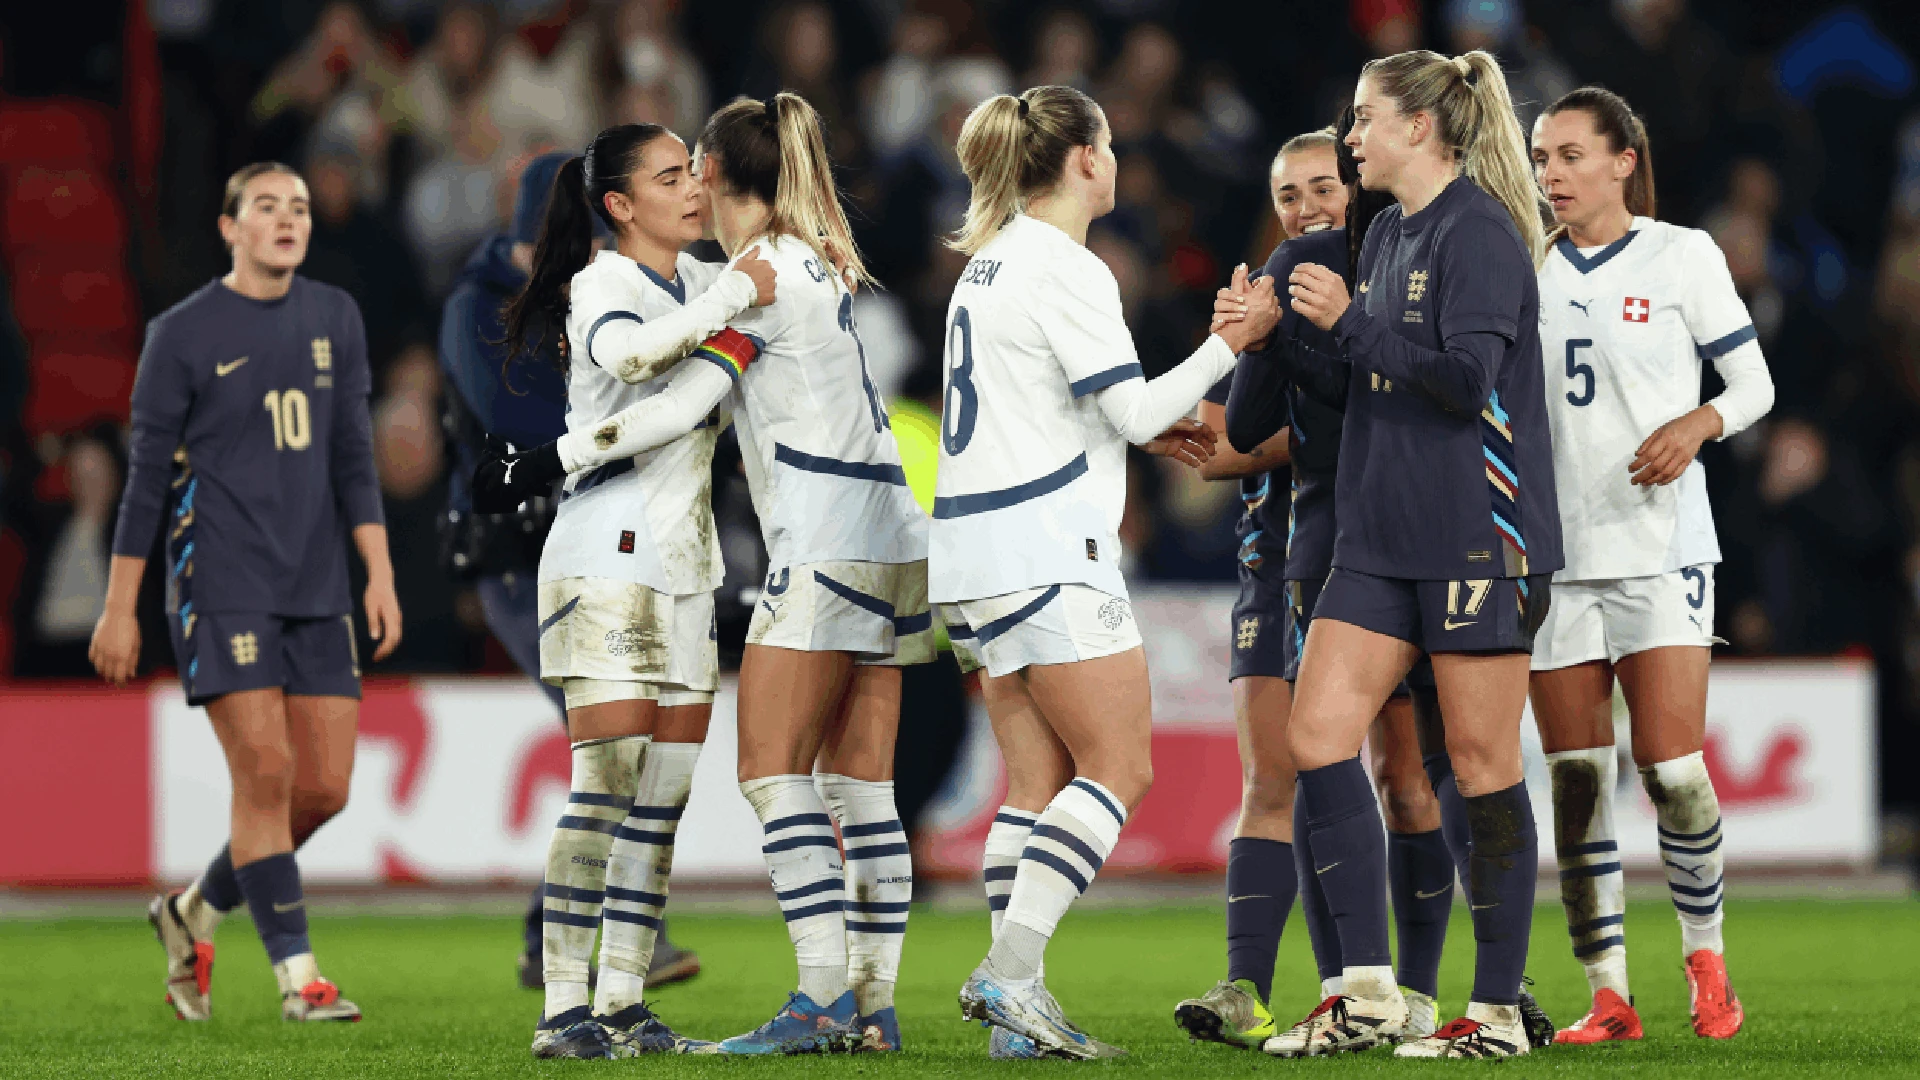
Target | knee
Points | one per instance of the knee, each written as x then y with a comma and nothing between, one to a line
1407,804
1130,783
1266,793
316,806
263,774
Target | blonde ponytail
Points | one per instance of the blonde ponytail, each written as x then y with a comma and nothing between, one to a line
776,151
1013,148
989,151
1467,96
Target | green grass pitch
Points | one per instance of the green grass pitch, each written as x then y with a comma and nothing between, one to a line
1830,990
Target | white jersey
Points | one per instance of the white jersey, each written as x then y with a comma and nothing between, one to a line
1033,478
821,461
1624,330
646,519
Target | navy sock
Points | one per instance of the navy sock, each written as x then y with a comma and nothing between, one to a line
1453,809
1350,858
1260,886
1420,873
1321,932
218,887
530,925
272,888
1502,872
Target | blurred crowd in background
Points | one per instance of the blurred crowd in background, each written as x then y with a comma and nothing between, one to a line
1789,131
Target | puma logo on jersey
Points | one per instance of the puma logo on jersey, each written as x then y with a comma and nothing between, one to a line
1581,306
228,368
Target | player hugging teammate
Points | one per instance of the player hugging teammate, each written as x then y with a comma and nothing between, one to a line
253,447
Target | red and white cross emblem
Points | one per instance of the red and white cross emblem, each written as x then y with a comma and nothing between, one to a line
1637,309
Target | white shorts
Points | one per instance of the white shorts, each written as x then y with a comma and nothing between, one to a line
1054,624
1606,620
602,639
877,611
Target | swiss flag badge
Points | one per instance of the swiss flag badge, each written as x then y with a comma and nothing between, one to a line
1637,309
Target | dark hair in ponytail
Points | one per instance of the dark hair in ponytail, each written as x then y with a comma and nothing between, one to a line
1616,121
565,246
1362,205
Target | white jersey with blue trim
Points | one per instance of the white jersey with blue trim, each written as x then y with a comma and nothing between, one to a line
646,519
821,461
1624,330
1033,477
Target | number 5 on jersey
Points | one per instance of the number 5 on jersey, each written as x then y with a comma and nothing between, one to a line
292,429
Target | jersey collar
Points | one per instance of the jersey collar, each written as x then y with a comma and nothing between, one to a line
1588,265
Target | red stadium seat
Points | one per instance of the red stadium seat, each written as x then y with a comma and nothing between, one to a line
73,289
46,207
70,390
55,132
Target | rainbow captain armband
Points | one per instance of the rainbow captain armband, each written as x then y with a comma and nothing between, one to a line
732,350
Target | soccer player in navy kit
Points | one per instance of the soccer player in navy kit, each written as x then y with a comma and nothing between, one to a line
252,445
1448,526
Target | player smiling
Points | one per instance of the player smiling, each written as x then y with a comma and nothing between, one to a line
1633,306
253,444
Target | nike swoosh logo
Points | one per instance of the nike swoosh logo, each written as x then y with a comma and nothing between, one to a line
1418,895
1251,896
1481,907
295,906
228,369
1324,869
1451,625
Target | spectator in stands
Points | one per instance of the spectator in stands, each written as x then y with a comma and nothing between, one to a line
1065,52
354,249
904,101
544,84
652,63
454,67
1535,76
336,81
453,203
64,588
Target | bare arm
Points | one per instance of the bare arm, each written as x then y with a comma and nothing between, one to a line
1230,464
383,604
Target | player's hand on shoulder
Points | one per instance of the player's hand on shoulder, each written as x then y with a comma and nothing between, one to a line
1318,294
504,479
1188,441
115,648
761,272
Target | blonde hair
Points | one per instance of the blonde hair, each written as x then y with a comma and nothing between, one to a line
775,150
1467,96
1012,148
1321,138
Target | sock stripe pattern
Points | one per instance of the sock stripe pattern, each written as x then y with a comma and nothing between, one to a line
803,861
1592,886
1688,812
605,776
1000,863
879,884
1066,849
637,867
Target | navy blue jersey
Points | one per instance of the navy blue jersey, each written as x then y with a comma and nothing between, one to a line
251,438
1285,388
1446,468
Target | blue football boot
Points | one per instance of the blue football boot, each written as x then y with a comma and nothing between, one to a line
635,1030
572,1034
880,1031
1005,1045
800,1027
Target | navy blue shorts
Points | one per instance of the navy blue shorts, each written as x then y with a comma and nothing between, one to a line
1305,603
1484,615
228,651
1262,631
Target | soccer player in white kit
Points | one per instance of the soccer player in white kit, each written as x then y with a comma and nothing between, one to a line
1631,307
627,572
1043,392
846,600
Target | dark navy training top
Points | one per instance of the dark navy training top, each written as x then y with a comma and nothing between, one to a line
1446,468
1273,389
252,444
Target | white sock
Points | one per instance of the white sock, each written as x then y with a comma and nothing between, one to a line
804,862
637,869
296,973
201,917
1073,837
1689,815
1592,885
605,773
1372,983
1006,839
1332,987
879,880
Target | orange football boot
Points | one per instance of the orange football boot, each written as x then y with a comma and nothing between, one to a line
1610,1020
1717,1013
